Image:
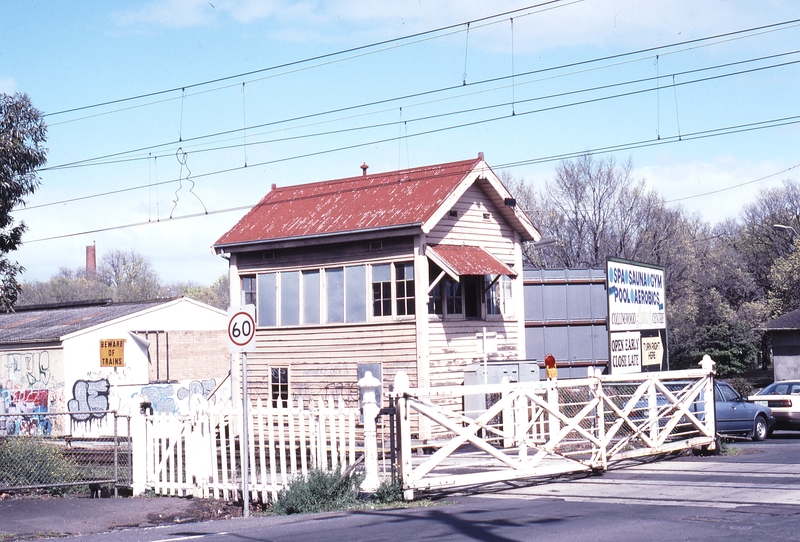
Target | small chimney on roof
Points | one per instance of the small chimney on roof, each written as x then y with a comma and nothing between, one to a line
364,168
91,261
274,186
480,156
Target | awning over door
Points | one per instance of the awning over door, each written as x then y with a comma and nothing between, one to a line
457,260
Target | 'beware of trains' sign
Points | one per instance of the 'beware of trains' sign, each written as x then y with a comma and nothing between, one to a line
112,352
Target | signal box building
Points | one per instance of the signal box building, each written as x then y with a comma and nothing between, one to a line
417,270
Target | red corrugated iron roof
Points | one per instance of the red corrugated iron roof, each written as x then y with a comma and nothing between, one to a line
459,260
368,202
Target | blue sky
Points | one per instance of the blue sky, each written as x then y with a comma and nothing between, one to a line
513,84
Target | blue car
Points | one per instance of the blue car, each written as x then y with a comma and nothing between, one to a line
734,414
737,416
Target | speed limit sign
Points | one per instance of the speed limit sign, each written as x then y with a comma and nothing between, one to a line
241,329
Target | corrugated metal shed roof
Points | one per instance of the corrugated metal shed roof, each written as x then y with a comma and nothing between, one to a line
368,202
53,322
468,260
788,321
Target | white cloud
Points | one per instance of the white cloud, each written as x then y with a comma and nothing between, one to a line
169,13
717,190
596,23
7,85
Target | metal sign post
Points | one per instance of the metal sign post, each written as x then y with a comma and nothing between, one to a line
241,338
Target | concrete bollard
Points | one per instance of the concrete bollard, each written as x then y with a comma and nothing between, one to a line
370,386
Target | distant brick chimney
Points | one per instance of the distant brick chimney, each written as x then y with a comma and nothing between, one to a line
364,168
91,261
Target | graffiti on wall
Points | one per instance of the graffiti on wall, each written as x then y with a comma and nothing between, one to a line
89,400
30,409
166,399
29,368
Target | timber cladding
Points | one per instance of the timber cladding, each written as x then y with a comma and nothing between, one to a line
323,361
453,345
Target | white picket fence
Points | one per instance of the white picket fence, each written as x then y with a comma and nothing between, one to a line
525,430
199,454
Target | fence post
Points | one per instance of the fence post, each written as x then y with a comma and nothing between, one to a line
369,386
139,451
707,364
601,416
508,422
553,423
401,387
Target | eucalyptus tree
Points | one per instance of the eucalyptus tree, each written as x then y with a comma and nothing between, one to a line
22,136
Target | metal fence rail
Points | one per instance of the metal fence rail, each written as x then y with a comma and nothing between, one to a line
45,450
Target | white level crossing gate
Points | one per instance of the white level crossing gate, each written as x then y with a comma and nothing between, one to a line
551,427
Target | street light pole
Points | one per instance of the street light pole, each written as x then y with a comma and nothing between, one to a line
783,227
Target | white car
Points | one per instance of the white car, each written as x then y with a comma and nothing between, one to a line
784,400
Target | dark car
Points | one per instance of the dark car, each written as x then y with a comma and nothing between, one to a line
783,398
737,416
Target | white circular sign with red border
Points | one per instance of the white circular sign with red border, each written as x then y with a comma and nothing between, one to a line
241,329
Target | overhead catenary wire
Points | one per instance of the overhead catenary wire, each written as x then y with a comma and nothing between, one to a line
716,132
310,59
726,35
711,133
101,159
462,125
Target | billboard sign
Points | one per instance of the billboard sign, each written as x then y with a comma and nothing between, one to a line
637,318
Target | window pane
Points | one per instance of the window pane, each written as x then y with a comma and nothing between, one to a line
499,295
381,273
382,290
506,307
335,281
453,296
279,387
492,296
355,280
404,288
290,298
310,297
249,290
267,308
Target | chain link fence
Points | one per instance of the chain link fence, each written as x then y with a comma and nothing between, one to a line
51,450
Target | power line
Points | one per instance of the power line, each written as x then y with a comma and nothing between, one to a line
305,60
414,95
716,132
735,186
446,128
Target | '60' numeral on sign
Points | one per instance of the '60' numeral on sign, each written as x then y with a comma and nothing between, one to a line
245,330
241,330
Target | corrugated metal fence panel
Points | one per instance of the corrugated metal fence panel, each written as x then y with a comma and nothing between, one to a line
565,315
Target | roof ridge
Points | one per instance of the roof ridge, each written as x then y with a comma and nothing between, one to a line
355,178
105,302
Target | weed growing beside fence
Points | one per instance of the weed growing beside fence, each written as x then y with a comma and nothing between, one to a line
34,462
320,491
